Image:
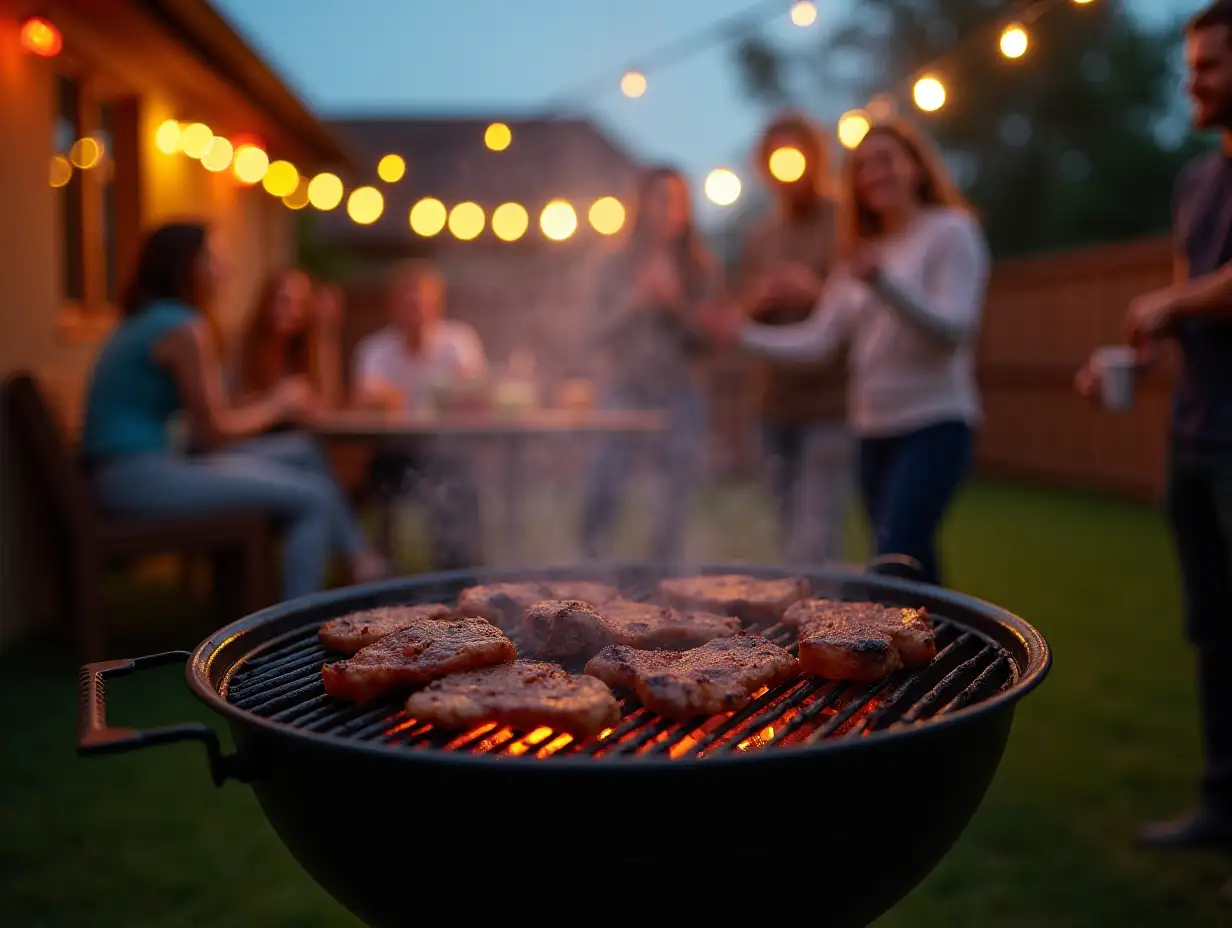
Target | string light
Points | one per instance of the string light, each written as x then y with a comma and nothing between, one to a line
40,37
929,94
633,84
558,220
298,198
391,169
606,215
852,127
510,222
466,221
787,165
497,136
61,171
722,187
218,156
195,138
250,164
428,217
325,191
86,153
803,13
1014,41
167,138
280,179
365,205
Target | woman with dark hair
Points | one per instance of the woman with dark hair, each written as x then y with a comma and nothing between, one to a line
647,329
905,301
163,359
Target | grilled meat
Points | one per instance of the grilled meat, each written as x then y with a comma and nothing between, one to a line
562,629
720,676
415,655
348,634
860,641
755,601
504,603
523,695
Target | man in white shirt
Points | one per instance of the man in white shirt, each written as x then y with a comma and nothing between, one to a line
405,367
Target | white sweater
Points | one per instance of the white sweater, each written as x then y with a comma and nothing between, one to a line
910,334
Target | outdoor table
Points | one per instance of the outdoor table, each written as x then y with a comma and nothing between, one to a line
512,429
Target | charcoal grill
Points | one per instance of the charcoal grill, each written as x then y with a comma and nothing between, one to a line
849,793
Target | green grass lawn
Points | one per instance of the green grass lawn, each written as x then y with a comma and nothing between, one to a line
1108,741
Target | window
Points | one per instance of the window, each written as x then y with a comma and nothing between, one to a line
99,209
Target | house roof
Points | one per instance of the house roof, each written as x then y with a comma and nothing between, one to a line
446,158
200,29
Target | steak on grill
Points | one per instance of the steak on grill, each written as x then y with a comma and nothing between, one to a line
755,601
504,603
415,655
350,633
720,676
860,641
523,694
571,628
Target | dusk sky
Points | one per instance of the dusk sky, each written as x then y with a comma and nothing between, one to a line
501,57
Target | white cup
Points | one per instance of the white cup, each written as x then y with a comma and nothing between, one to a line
1117,366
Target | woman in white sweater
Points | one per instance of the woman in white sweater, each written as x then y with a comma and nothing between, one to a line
905,303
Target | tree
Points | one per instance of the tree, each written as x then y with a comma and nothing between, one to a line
1058,148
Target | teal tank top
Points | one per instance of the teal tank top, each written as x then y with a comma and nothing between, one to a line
131,397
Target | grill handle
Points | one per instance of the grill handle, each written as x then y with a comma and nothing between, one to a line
896,565
95,736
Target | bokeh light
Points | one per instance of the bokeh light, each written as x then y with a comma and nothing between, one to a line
365,205
558,221
61,171
787,164
929,94
803,13
39,36
633,84
391,168
1014,41
722,187
195,139
325,191
298,198
428,217
218,156
498,136
280,179
167,137
607,215
86,152
510,221
250,164
852,127
466,221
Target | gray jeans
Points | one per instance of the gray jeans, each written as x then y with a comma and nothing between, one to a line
811,470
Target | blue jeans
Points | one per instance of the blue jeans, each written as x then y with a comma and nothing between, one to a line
677,455
907,482
284,473
811,469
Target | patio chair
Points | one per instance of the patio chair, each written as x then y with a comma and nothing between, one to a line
86,541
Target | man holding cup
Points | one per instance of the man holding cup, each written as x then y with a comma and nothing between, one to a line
1196,313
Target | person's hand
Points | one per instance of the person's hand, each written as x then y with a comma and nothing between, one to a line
294,397
1149,316
658,282
1088,382
328,307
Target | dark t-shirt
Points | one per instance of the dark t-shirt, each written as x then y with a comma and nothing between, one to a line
1202,232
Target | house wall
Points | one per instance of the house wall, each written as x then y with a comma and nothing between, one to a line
35,332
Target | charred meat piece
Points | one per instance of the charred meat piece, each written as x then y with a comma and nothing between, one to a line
523,695
860,641
577,629
415,655
504,603
755,601
350,633
720,676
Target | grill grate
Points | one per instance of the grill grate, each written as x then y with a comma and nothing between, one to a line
282,683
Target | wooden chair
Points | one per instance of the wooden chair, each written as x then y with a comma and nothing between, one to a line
240,543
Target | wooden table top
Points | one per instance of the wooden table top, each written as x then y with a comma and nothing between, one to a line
531,422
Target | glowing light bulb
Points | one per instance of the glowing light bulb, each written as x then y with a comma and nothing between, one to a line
86,153
280,179
929,94
722,187
852,127
466,221
167,138
633,84
391,168
298,198
61,171
195,138
1014,41
325,191
803,13
558,221
498,136
250,164
218,156
510,222
40,37
607,215
787,164
428,217
365,205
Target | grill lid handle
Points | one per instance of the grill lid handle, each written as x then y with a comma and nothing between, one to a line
896,565
95,736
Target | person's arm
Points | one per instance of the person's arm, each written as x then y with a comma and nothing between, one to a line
947,307
819,338
189,353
